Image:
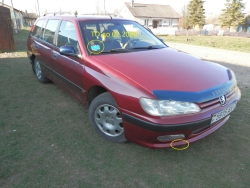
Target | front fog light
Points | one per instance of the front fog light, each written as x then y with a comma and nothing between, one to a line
170,137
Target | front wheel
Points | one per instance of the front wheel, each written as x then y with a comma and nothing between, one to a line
106,118
38,71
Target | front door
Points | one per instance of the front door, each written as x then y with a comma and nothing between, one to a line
69,68
155,23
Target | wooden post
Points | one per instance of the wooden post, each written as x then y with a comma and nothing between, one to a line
14,15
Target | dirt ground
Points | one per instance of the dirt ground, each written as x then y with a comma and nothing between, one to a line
239,62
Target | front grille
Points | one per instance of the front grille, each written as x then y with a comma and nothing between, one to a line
214,103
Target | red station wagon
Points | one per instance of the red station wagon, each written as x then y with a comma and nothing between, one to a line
136,87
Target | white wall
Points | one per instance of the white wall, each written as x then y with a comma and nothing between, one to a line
164,30
166,22
140,20
125,13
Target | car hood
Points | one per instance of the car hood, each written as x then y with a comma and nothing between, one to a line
166,69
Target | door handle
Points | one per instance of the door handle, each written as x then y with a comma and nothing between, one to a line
55,55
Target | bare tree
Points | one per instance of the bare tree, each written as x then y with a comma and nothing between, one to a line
213,19
98,8
116,12
183,19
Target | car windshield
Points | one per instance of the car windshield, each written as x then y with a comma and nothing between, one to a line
116,36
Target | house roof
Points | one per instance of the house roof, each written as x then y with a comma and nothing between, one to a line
9,7
152,10
25,14
30,15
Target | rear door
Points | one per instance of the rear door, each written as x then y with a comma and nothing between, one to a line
45,46
34,41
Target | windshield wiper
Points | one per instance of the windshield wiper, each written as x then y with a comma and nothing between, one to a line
120,50
147,47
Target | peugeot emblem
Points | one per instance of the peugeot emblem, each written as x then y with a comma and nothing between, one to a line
223,100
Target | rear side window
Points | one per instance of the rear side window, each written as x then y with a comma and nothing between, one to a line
37,31
67,36
49,32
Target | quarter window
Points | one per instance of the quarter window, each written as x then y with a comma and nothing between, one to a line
49,32
67,36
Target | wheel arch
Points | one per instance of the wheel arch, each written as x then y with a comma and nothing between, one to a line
32,58
94,91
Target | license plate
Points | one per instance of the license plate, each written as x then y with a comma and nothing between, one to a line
223,113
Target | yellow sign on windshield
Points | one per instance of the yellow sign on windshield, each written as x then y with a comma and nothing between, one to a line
115,34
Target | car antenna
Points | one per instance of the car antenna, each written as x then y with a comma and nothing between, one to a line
109,15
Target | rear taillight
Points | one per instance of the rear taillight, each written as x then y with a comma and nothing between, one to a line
32,28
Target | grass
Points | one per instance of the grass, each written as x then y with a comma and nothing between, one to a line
20,39
222,42
46,140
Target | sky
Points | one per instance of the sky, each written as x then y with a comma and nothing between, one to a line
212,7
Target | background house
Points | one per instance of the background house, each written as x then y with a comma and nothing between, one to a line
29,18
19,19
246,25
161,19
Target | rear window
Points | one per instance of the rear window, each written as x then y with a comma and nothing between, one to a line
37,31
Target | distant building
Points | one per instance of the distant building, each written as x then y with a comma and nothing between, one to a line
246,25
212,27
22,18
160,19
29,18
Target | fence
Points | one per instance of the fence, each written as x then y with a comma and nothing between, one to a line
212,33
6,33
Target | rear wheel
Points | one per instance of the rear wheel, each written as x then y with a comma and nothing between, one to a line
38,71
106,118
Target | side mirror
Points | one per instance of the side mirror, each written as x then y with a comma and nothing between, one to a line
161,40
68,51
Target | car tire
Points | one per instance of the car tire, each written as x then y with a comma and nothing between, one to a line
106,118
36,66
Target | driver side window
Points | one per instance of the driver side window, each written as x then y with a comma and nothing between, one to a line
67,36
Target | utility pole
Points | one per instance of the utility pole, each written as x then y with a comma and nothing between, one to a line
14,15
2,2
104,7
38,8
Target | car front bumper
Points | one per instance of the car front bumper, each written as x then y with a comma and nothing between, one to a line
148,133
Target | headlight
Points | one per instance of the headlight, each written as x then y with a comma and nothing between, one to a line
168,108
